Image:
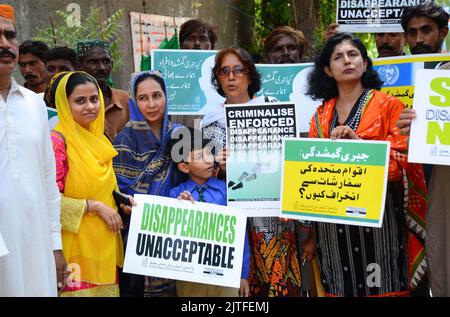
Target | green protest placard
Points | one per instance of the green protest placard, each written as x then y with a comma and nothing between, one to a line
52,118
188,80
176,239
51,113
288,82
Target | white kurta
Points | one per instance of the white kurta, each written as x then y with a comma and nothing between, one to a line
29,197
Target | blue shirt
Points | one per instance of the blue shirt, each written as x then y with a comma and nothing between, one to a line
214,192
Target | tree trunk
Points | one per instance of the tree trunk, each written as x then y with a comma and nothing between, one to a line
305,15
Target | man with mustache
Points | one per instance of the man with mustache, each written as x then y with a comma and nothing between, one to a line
94,57
284,45
32,65
29,197
390,44
426,28
60,59
197,35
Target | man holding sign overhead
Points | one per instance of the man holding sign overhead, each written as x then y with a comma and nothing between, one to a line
426,28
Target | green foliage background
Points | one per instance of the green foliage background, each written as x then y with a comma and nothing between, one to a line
91,28
268,14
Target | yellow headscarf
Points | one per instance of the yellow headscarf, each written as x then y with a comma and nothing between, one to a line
91,176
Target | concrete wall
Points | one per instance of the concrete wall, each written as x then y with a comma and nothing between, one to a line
234,27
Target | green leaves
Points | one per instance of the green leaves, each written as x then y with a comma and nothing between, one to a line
93,26
268,15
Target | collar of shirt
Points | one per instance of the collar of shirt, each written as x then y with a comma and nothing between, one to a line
15,88
114,102
211,182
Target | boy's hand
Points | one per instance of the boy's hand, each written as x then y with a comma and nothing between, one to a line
186,196
221,159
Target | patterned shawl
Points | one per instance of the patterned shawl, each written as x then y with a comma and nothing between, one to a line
380,125
143,165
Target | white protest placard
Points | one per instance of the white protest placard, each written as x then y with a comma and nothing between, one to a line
255,135
372,16
429,140
3,249
175,239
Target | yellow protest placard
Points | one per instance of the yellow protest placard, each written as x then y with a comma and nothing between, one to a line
335,181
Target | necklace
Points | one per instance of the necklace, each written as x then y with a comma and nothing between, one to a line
355,115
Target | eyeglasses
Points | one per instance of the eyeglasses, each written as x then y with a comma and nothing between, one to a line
238,71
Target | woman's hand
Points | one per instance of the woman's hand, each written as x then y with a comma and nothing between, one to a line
404,122
244,290
308,249
343,132
186,195
127,209
108,214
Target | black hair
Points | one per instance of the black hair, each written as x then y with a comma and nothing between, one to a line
427,9
35,48
50,91
279,32
78,78
63,52
184,141
157,78
321,86
253,75
194,25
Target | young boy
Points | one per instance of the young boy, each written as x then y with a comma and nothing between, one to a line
197,161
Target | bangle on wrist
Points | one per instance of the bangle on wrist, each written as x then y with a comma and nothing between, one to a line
90,213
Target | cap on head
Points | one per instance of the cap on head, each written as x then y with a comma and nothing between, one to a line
7,12
84,46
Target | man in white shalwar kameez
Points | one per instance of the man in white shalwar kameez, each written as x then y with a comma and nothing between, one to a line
29,197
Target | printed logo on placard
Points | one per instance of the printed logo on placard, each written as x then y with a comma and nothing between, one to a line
389,74
213,272
356,211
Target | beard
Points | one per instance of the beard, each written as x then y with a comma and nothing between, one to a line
428,49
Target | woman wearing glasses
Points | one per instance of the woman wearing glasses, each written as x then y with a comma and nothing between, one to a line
235,77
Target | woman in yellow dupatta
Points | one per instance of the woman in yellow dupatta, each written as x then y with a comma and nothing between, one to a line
92,243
